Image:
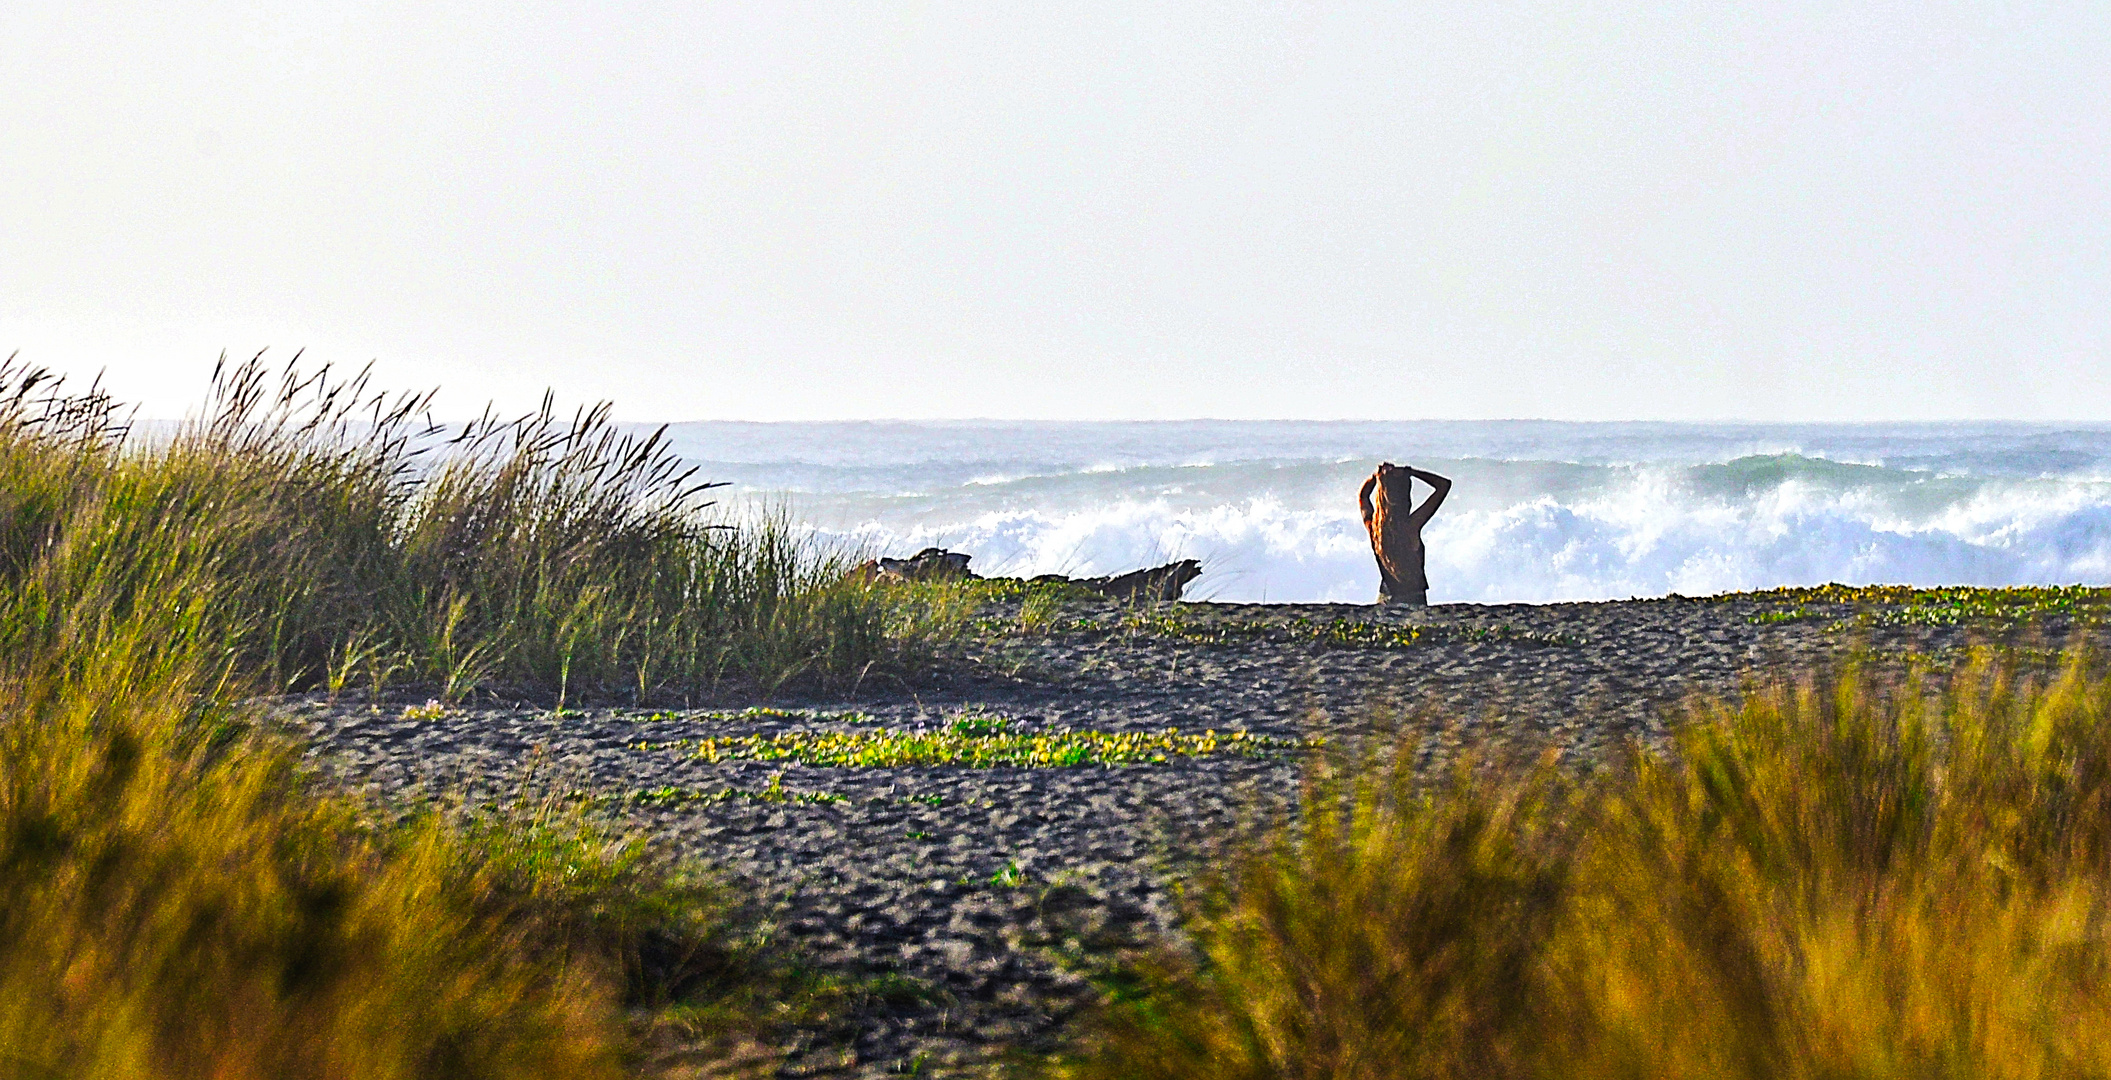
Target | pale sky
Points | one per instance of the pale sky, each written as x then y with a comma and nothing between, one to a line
1075,210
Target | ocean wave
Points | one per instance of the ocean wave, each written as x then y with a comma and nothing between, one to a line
1521,531
837,452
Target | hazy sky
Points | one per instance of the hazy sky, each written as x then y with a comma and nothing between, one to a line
781,210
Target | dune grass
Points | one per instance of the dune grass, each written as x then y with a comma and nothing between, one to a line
1824,881
356,546
179,898
172,912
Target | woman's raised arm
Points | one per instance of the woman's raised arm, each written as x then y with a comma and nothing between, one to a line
1428,509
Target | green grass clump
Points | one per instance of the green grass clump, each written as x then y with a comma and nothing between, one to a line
1038,611
1825,881
981,743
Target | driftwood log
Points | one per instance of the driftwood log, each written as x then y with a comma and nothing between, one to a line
930,564
1157,583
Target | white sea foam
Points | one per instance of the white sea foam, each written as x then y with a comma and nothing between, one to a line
1539,512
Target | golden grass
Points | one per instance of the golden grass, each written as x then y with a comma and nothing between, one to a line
178,901
1825,881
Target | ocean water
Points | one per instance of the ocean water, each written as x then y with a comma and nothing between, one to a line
1539,511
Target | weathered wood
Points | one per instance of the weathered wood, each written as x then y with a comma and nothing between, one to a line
1157,583
930,564
937,564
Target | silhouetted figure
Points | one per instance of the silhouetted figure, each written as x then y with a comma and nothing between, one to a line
1396,531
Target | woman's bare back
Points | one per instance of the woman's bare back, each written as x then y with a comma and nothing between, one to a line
1395,524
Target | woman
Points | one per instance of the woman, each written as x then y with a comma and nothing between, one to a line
1396,531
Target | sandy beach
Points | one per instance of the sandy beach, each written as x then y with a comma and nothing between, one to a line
988,897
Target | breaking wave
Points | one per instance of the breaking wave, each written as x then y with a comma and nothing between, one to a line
1599,512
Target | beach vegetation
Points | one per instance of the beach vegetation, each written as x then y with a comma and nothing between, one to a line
1174,623
1992,609
1038,610
181,896
980,742
755,714
1356,634
360,545
773,792
1798,613
1849,877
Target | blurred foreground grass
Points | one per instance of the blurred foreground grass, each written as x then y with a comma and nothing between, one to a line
1828,880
